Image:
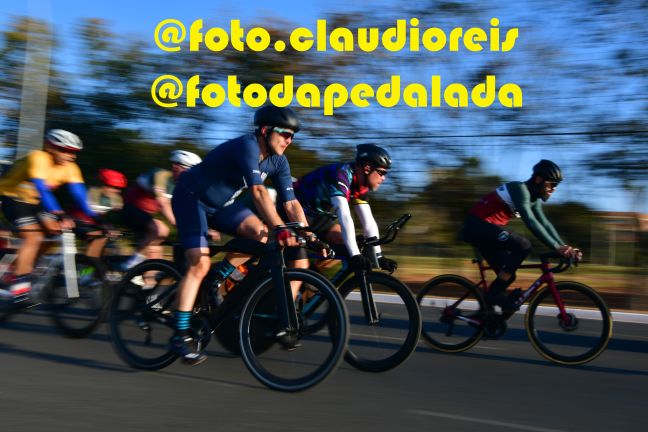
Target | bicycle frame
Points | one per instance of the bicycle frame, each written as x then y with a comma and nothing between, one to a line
366,291
547,277
66,257
270,261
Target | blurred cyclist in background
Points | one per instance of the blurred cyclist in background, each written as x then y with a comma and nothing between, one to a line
149,197
484,227
107,196
106,201
29,204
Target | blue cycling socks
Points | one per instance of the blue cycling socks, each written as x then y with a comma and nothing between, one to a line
182,320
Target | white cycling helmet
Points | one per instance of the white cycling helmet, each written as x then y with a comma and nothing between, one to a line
185,158
64,139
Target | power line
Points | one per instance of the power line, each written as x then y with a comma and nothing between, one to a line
493,135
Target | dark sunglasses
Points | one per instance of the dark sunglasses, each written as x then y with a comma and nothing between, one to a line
381,172
66,150
285,133
551,184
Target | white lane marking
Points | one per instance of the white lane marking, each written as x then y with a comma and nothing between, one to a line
483,421
631,317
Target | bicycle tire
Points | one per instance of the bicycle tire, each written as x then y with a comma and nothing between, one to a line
384,345
138,310
590,325
78,317
437,302
293,370
7,308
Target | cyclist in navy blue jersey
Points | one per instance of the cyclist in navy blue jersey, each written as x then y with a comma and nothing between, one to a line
484,227
205,197
326,193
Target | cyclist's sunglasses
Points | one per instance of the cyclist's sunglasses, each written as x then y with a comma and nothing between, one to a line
286,133
552,184
66,150
381,172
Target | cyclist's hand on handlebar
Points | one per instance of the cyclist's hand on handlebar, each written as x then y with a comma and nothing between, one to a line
110,231
359,262
313,243
387,264
286,238
565,250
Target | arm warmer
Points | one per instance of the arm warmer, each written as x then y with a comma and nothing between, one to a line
79,193
341,206
47,197
369,225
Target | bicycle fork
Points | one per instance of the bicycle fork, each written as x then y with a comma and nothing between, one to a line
285,305
368,302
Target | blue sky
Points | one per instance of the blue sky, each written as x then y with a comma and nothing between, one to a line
137,19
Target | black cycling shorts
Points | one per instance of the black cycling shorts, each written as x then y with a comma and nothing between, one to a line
22,214
502,248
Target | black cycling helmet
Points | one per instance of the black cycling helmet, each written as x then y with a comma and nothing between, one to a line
548,170
271,115
375,156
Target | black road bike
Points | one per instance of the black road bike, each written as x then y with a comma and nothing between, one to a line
277,344
383,313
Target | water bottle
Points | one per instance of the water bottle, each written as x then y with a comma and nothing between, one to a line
235,277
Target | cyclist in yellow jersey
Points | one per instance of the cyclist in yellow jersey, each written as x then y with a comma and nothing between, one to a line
29,204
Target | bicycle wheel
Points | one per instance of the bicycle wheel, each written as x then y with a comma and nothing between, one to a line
579,338
80,316
141,315
311,357
448,303
383,345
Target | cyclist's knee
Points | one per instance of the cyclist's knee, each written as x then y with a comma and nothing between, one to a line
334,236
160,228
198,266
253,228
525,246
300,263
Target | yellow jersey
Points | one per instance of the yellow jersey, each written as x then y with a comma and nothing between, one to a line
38,164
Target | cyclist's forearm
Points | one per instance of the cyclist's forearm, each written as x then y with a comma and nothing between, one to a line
265,206
550,228
80,194
541,234
369,225
166,209
343,213
295,212
47,197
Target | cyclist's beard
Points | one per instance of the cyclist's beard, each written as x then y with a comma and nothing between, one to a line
536,191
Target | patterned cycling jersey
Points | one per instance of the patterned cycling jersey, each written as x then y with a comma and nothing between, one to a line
315,190
17,182
232,167
148,187
514,199
496,207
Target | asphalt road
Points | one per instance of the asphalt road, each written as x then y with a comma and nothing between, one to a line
50,383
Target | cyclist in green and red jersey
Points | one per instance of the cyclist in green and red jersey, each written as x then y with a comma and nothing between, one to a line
485,227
